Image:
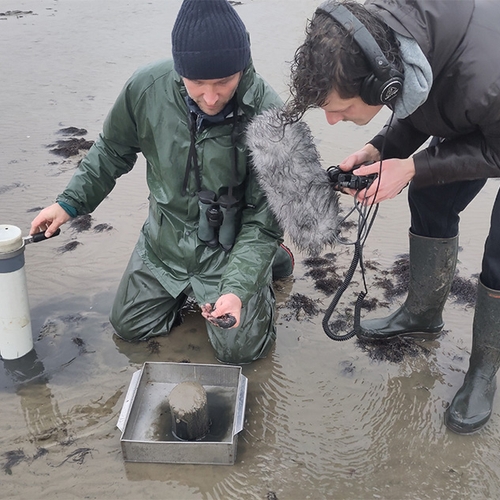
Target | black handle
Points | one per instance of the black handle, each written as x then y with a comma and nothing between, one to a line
41,236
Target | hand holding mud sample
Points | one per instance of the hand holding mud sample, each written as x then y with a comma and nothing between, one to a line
225,313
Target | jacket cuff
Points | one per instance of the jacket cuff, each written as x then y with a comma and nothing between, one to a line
71,211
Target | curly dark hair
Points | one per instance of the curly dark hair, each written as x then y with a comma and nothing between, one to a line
330,59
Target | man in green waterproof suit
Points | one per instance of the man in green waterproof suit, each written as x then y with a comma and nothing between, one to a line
436,65
210,233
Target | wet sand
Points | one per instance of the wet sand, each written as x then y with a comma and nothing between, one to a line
324,419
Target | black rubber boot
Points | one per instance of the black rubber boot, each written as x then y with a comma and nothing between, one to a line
471,406
432,268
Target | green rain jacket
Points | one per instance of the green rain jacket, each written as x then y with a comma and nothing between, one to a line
150,117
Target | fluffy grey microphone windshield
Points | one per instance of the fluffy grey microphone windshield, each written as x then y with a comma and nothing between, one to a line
298,190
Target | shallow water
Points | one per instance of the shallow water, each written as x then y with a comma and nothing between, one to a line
323,419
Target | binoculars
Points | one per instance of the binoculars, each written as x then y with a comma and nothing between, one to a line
217,223
341,179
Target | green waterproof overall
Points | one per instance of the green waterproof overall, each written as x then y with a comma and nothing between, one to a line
170,261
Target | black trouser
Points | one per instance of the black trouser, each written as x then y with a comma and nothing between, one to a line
435,213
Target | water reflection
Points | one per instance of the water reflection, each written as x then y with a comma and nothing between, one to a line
24,369
43,419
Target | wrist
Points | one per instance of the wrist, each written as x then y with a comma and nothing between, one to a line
372,152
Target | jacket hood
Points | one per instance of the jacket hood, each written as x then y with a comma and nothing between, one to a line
414,19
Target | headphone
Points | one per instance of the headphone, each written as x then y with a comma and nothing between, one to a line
385,83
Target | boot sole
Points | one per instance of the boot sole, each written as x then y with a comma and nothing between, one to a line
406,335
464,431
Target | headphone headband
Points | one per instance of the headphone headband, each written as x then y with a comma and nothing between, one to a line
386,83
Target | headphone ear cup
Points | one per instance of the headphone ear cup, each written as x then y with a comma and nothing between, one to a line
385,82
369,91
392,88
375,92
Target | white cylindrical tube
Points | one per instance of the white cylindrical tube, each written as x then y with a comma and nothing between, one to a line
16,337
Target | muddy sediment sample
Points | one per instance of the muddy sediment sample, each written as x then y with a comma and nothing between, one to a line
224,321
189,409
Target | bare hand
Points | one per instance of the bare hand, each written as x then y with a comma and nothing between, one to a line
228,304
49,220
394,176
367,154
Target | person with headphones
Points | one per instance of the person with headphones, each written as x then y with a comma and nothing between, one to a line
436,65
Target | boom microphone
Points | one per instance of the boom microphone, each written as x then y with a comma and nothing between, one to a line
298,189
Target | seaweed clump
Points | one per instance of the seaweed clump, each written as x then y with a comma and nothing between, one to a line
69,247
73,145
70,147
13,458
81,223
397,284
464,291
300,306
393,351
324,273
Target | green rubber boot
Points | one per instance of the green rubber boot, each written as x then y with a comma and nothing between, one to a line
471,406
283,263
432,268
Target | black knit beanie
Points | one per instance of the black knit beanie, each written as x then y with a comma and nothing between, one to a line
209,40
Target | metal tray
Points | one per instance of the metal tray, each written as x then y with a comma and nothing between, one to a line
145,419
